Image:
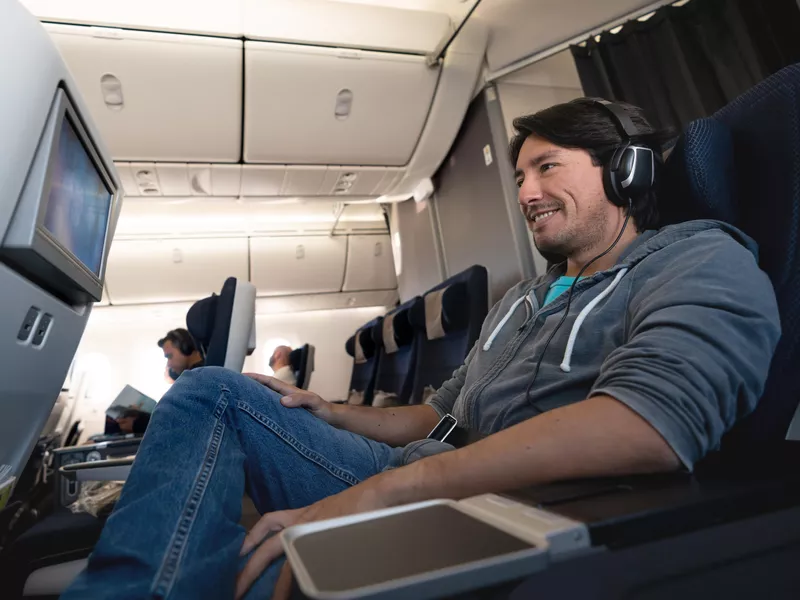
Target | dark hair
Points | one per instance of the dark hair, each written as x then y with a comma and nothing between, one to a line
583,124
181,339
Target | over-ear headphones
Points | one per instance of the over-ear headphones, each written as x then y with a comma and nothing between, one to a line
632,169
186,343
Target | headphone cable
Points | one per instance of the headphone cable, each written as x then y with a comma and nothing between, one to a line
569,301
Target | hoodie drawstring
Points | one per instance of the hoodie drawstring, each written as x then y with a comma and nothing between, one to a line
488,345
573,335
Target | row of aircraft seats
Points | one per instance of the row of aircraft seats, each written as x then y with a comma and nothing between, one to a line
404,356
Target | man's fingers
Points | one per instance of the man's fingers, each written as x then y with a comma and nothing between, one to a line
261,559
283,587
284,389
269,523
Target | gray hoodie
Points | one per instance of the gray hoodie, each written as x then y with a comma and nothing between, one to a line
681,330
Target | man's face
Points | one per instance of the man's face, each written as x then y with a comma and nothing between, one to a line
562,198
175,360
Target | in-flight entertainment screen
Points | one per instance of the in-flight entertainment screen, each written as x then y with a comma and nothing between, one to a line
79,201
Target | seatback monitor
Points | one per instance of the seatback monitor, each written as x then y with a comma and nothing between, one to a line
79,201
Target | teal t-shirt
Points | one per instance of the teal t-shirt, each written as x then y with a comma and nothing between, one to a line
558,287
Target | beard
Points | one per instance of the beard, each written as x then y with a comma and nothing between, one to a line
573,238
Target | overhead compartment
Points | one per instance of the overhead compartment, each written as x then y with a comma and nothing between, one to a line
158,96
283,266
331,106
370,265
145,271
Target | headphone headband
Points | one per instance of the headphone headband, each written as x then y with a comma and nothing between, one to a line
620,117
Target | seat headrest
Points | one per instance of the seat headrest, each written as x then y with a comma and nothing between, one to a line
698,179
442,311
361,346
396,330
295,358
200,319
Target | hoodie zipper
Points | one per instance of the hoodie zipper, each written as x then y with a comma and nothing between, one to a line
471,398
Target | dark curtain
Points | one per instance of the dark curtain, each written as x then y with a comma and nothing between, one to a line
685,62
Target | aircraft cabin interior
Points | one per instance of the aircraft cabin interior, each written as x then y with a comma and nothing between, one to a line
332,178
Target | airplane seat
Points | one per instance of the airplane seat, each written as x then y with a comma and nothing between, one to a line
365,355
742,166
396,343
302,362
448,322
223,326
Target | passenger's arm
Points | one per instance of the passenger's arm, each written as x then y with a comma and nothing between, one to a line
396,426
594,438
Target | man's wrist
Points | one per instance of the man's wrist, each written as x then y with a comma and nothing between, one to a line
413,483
336,414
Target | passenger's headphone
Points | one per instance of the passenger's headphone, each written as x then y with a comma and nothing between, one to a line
185,341
632,169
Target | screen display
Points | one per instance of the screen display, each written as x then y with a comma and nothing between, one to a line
79,201
400,545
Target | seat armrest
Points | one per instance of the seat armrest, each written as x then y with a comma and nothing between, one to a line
113,469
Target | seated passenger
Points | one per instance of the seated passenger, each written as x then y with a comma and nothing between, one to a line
180,351
641,367
281,365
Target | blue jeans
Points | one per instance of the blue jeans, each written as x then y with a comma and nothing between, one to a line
175,532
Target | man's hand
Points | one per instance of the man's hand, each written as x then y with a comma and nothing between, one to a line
360,498
293,397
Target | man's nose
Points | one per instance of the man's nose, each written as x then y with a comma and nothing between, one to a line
529,192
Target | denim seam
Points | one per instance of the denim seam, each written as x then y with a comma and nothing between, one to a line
167,574
304,451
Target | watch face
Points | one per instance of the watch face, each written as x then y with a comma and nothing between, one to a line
443,428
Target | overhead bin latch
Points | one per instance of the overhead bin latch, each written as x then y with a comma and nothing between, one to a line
111,87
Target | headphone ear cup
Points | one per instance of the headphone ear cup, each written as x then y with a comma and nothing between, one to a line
611,177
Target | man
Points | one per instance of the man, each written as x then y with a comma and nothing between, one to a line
674,340
180,351
281,366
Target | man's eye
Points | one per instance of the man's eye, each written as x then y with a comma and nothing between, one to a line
519,183
546,167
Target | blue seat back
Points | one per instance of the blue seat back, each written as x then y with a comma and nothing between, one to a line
464,301
742,165
397,345
365,362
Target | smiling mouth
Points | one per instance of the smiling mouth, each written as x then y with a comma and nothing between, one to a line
542,217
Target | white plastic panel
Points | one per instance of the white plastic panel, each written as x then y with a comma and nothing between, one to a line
282,266
460,73
293,93
226,180
142,271
262,181
370,265
345,24
174,179
158,96
304,181
126,177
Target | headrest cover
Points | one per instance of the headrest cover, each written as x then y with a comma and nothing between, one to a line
389,342
359,354
433,315
200,319
294,359
698,178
